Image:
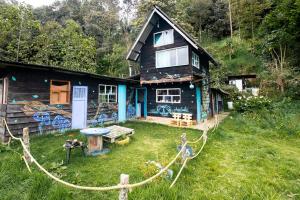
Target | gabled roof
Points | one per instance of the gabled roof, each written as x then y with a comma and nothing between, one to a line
134,52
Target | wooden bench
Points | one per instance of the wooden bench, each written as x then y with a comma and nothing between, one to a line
187,120
176,119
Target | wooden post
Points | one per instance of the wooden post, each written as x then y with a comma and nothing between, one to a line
183,148
124,180
26,142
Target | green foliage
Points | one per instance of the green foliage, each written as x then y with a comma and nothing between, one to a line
281,117
252,103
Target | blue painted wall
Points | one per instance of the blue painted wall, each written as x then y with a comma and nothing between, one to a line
122,103
198,102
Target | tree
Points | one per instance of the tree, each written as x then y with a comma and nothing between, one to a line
78,51
18,29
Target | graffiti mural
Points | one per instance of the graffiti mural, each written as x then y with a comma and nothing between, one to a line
43,118
130,103
61,123
167,110
130,113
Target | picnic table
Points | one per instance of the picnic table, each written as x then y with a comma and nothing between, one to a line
95,139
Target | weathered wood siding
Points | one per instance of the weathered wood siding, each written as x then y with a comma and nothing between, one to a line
148,69
29,101
187,105
2,126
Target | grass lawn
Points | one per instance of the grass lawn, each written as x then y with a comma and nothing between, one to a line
240,161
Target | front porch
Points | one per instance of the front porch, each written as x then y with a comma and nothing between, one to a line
201,126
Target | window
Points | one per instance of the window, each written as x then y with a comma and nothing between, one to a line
163,38
60,92
195,60
107,94
172,57
3,90
168,95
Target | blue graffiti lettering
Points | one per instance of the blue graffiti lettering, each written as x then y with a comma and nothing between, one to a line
43,118
130,111
61,123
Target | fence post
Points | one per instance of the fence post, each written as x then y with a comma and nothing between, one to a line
26,142
183,148
124,180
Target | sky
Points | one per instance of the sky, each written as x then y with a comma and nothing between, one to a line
37,3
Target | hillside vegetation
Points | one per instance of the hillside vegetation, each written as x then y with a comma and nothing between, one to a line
258,36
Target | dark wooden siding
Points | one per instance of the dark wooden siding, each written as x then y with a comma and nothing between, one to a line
188,101
148,69
29,101
2,126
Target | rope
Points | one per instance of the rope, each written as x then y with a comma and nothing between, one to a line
183,165
105,188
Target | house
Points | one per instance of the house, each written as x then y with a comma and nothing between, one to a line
244,83
174,69
46,98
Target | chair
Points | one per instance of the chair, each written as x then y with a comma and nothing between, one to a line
176,119
187,119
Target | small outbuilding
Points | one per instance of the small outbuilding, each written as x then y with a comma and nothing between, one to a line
47,98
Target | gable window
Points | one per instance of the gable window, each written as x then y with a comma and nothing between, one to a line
195,60
107,94
170,95
172,57
60,92
163,38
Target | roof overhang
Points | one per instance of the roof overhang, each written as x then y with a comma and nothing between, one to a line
135,50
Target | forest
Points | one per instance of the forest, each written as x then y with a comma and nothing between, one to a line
245,36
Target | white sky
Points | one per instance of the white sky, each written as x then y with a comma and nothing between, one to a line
37,3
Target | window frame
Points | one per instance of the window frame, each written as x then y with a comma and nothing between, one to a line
68,95
168,89
107,94
177,64
195,60
163,38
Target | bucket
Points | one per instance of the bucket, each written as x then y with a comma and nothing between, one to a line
230,105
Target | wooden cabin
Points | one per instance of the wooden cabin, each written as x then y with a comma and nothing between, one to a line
174,69
46,98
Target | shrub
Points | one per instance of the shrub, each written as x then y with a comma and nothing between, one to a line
252,103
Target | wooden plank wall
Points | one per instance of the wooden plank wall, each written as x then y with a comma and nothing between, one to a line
2,126
29,101
148,69
187,105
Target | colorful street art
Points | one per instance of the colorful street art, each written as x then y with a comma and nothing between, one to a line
61,123
167,110
44,119
130,111
130,103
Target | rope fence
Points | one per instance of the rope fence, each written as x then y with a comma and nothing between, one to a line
124,185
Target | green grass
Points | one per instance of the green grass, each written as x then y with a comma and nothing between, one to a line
248,162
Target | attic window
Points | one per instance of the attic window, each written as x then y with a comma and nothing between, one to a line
195,60
163,38
60,92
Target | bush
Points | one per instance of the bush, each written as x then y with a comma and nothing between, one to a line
252,103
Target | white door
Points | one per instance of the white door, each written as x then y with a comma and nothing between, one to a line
79,107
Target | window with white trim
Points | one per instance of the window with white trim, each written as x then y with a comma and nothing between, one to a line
107,94
172,57
195,60
170,95
163,38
